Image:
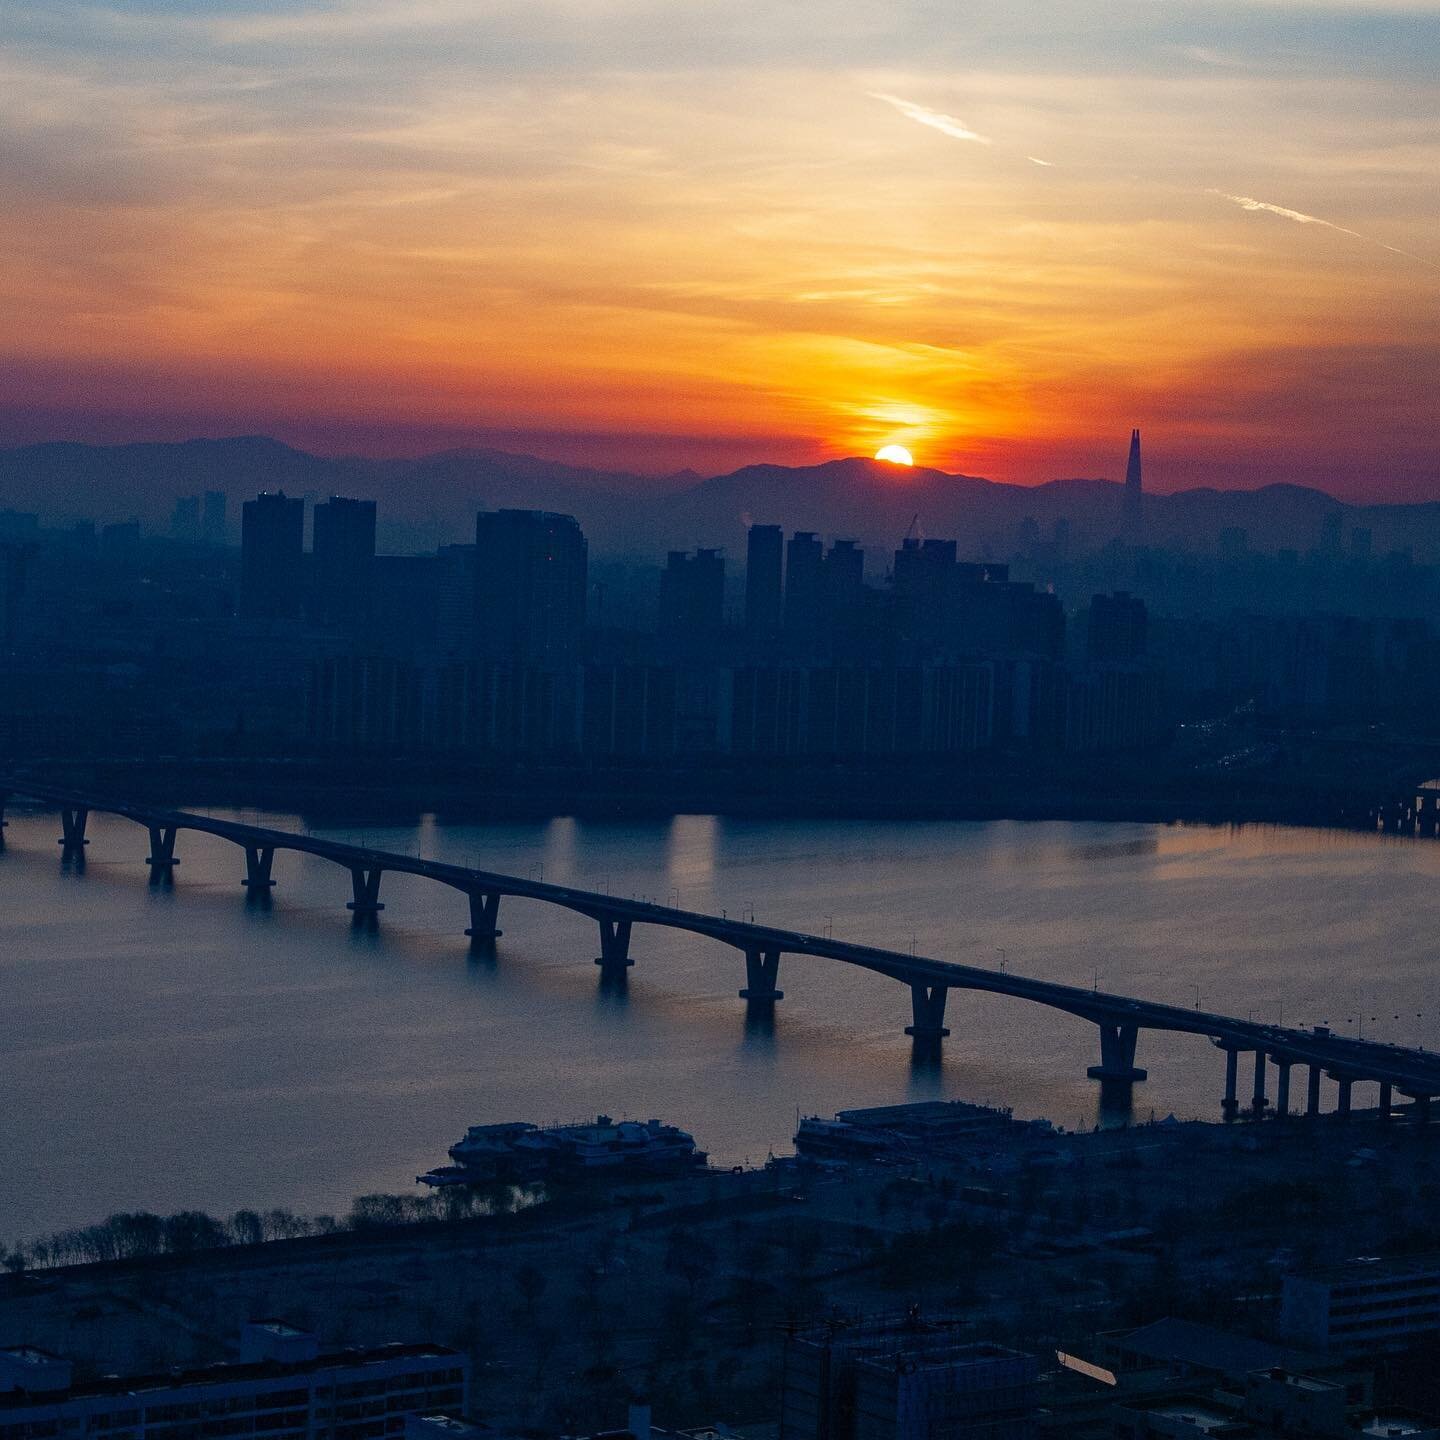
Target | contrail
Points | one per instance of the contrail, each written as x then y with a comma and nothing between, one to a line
1248,202
1036,160
935,119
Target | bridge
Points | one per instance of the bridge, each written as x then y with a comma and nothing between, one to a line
1119,1019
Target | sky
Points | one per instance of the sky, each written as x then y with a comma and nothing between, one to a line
658,234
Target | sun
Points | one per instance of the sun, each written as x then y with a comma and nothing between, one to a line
895,454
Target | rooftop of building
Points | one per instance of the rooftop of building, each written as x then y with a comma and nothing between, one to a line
922,1113
1362,1269
1296,1382
223,1372
29,1355
1196,1412
1203,1347
1393,1423
443,1427
281,1329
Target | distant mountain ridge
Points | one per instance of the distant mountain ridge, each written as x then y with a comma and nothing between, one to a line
432,499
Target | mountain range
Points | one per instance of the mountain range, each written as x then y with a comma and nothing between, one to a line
432,500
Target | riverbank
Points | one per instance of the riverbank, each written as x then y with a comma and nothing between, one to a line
1314,785
689,1286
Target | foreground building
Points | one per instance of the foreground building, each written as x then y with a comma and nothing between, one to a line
282,1387
1365,1306
905,1379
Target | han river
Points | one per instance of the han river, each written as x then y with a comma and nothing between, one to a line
171,1049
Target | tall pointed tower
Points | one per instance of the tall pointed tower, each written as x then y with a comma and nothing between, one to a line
1133,487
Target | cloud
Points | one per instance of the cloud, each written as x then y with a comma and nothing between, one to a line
935,119
1248,202
1036,160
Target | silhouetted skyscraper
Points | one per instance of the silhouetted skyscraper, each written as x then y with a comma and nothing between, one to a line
845,587
764,560
692,593
1134,487
1117,629
804,584
530,581
343,546
925,580
272,557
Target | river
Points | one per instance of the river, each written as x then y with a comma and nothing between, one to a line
174,1048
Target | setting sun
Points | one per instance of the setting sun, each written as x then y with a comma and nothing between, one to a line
895,454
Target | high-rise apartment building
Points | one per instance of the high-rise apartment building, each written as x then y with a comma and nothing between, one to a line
764,588
804,584
692,593
272,557
343,572
530,580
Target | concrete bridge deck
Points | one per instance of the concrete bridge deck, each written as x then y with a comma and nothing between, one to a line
1120,1018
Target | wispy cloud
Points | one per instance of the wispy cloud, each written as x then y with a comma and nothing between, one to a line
1036,160
1248,202
935,119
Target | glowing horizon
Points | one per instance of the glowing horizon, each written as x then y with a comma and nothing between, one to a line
643,236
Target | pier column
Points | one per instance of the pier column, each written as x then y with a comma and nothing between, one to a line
1345,1083
1282,1087
258,861
928,1006
1312,1092
161,859
614,957
762,969
1258,1102
72,828
1387,1100
1117,1054
1422,1109
484,912
366,884
1232,1073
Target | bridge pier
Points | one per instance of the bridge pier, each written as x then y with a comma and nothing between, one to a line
1258,1100
161,859
762,969
1282,1087
928,1007
1345,1083
365,881
614,957
1312,1092
1230,1104
1117,1055
1387,1100
258,862
1422,1109
484,912
72,828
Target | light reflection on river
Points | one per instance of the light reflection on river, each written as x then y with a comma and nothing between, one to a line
165,1049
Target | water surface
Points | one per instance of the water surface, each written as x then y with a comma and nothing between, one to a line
172,1048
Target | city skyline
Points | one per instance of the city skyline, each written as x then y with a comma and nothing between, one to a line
645,239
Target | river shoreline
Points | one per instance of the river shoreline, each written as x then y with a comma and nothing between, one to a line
396,791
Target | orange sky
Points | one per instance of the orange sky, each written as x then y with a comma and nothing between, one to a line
650,234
